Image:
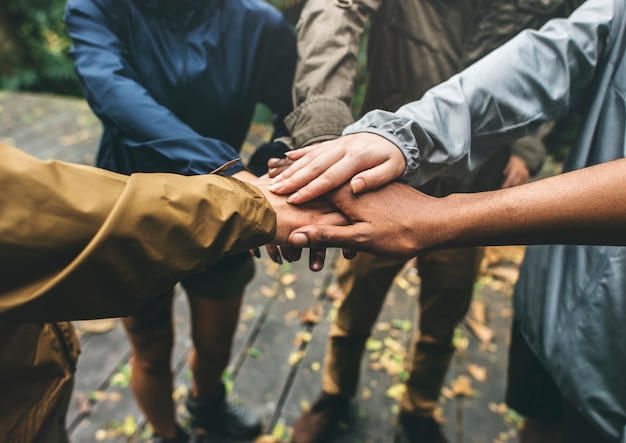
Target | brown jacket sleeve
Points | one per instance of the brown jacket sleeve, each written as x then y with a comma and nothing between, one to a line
78,242
329,32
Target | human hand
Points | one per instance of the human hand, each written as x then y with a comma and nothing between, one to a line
276,166
395,220
290,217
515,172
366,160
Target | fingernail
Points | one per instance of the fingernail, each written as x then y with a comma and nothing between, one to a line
275,187
277,179
357,185
293,197
299,239
257,253
278,259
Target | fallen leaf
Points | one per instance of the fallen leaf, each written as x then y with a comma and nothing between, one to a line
482,332
447,393
309,317
373,345
478,311
290,293
288,279
402,282
366,393
268,292
333,292
82,400
302,337
396,391
295,357
383,326
462,386
478,372
254,352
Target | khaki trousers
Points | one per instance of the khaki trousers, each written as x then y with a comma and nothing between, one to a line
447,282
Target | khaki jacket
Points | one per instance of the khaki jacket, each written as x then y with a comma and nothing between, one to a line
80,243
413,45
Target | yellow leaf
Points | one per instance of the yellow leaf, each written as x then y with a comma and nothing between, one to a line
478,372
288,279
290,293
396,391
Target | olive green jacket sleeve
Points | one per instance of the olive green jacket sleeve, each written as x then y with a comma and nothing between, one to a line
329,32
78,242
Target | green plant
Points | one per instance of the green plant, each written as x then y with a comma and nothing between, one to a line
37,57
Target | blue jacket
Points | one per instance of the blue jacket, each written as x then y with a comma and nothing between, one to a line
175,83
570,301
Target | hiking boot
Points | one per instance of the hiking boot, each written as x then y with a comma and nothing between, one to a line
415,429
321,422
181,437
217,416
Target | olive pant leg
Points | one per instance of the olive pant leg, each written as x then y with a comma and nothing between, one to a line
447,283
365,281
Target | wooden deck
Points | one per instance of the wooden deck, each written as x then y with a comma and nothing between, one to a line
275,368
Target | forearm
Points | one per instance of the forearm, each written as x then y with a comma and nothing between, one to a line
501,97
328,44
79,242
587,206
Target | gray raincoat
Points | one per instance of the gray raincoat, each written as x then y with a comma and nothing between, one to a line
570,300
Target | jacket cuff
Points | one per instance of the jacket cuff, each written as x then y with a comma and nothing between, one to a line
318,119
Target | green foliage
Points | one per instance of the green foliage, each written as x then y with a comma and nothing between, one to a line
41,60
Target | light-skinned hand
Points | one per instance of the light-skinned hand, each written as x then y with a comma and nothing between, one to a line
290,217
365,160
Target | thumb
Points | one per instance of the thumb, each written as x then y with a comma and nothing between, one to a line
325,236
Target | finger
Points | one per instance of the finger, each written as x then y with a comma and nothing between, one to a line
274,253
316,259
255,252
320,183
275,172
324,236
299,153
291,254
375,177
349,254
304,170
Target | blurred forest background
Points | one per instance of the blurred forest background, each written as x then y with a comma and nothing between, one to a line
34,47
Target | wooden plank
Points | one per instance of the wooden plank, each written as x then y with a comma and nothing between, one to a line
272,358
49,126
373,410
101,355
485,416
117,404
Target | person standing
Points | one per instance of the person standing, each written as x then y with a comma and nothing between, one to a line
412,46
175,85
567,356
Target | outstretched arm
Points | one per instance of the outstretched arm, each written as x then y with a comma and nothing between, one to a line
79,242
587,206
500,98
